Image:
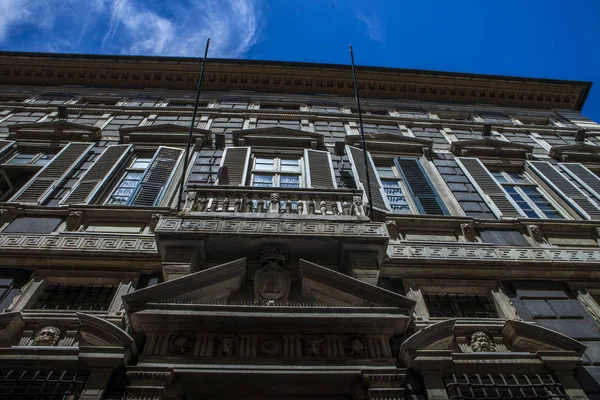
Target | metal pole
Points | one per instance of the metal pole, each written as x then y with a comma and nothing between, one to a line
189,142
362,136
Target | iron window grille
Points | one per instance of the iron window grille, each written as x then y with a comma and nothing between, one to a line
41,384
76,297
495,387
459,305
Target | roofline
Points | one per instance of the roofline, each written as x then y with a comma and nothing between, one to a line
584,86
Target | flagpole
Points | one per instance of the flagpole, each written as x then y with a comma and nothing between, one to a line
189,142
362,136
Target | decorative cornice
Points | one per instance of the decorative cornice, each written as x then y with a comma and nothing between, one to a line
286,77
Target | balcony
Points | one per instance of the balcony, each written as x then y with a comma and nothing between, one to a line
264,201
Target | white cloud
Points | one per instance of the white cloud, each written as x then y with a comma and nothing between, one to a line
182,29
373,27
12,12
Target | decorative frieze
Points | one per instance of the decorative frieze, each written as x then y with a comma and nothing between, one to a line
78,242
208,345
450,252
271,227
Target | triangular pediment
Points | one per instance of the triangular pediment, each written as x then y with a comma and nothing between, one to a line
55,130
211,285
488,147
323,285
580,152
391,143
277,136
163,134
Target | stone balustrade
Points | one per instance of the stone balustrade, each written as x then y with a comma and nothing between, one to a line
261,200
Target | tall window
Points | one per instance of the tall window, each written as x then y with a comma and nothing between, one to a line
30,158
123,192
276,172
392,186
41,384
527,195
459,305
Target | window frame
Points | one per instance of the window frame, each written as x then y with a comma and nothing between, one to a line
122,178
532,182
276,172
412,207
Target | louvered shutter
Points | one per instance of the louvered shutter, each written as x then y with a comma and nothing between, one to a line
52,173
234,166
491,191
565,189
319,169
157,177
356,157
421,189
584,176
101,172
6,146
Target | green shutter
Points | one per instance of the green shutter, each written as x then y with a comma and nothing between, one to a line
319,169
356,157
234,166
100,173
420,186
158,176
490,190
50,176
565,189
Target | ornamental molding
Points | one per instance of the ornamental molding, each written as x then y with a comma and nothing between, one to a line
465,254
50,244
287,77
271,227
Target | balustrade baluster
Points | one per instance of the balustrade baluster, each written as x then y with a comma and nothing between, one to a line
237,206
311,206
288,206
346,208
215,203
323,207
225,207
202,204
261,205
300,207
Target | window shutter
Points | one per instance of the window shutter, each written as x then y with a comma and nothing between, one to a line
426,197
360,177
5,146
584,176
490,190
565,189
52,173
157,177
234,166
99,174
319,169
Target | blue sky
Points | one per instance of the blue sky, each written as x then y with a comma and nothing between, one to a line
531,38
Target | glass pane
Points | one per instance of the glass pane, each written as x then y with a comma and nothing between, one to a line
44,159
264,164
136,176
22,159
289,181
141,163
123,192
386,172
499,176
262,180
290,165
517,177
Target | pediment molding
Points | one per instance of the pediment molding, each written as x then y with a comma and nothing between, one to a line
277,137
394,144
580,152
163,134
462,345
488,147
59,130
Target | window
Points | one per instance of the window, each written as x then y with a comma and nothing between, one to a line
99,101
284,123
123,192
276,172
325,108
379,129
234,104
142,101
279,107
76,297
504,387
370,111
454,305
526,194
187,103
41,384
53,98
30,158
392,186
147,180
434,134
412,113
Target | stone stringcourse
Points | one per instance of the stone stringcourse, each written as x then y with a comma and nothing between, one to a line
72,242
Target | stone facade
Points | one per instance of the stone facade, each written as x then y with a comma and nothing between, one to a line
475,277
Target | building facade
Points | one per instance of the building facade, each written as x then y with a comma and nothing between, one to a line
476,276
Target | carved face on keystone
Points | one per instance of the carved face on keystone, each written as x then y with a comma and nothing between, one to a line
481,342
47,336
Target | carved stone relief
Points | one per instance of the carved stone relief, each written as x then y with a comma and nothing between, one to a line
272,282
481,342
182,343
47,336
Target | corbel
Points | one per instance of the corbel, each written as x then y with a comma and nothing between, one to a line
392,229
74,220
468,232
536,234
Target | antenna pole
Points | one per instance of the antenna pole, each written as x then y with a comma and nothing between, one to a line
362,136
189,142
